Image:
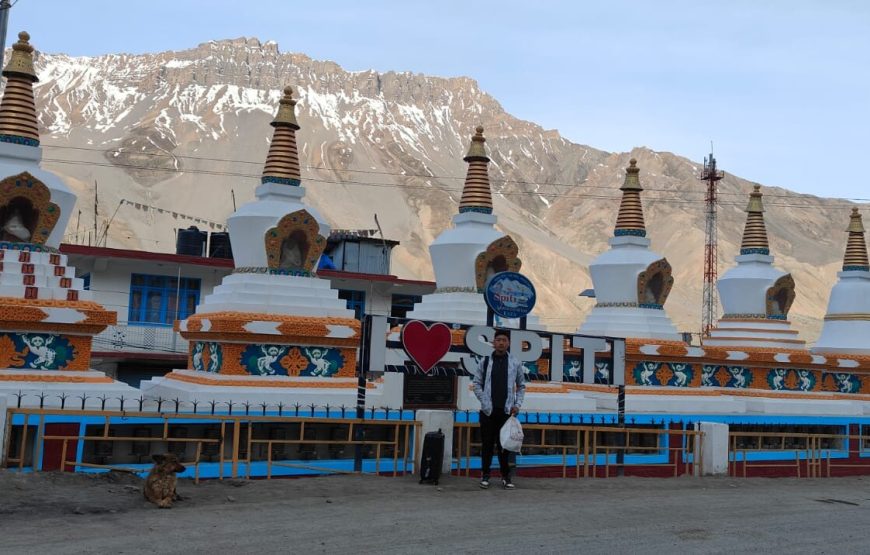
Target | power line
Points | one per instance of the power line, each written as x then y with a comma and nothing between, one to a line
646,198
379,172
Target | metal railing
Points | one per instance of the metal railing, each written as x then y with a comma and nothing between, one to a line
143,338
594,450
80,401
401,430
232,439
809,455
384,442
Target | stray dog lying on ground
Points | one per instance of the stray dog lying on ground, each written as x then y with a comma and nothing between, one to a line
161,481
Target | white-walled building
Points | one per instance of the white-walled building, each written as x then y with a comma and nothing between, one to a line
149,291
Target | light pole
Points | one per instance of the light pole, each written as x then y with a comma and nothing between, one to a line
5,6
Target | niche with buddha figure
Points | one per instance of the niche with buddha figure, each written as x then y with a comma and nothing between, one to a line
294,245
779,297
27,214
654,284
499,256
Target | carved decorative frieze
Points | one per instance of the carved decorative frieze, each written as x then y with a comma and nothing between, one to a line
295,244
654,284
779,297
499,256
27,214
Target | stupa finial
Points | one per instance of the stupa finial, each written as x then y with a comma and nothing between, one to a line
286,110
476,195
856,247
18,123
629,221
282,162
755,234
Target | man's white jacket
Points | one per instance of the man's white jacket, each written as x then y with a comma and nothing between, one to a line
516,379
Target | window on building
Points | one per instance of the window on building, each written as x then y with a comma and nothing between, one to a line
356,301
86,282
403,304
160,300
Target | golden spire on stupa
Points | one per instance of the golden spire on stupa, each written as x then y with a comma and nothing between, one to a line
630,218
856,248
755,234
282,162
476,196
18,122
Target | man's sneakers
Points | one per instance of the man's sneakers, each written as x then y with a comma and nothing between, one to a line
506,483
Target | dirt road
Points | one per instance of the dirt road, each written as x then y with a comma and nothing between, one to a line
65,513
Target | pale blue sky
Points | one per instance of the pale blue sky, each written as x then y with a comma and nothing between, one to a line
781,87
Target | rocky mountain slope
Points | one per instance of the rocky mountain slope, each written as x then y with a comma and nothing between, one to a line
188,131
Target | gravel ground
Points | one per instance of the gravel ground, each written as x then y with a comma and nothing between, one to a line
69,513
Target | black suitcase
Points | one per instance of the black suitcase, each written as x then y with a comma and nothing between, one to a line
433,457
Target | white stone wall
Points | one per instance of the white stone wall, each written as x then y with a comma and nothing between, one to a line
249,224
743,288
455,250
850,296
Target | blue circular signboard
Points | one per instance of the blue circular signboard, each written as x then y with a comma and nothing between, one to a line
510,295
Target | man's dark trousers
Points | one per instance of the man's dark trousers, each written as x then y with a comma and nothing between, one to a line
490,432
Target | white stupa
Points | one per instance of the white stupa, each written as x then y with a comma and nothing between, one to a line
278,240
847,322
631,282
755,296
466,255
47,319
272,330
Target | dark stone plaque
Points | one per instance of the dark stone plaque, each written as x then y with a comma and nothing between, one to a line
427,391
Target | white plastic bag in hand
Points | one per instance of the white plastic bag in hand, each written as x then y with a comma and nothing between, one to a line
511,435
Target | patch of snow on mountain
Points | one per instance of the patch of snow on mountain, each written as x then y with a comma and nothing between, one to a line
174,64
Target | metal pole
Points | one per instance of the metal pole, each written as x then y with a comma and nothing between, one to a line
620,420
177,299
96,209
620,405
362,368
5,6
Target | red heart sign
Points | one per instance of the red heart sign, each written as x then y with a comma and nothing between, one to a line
426,345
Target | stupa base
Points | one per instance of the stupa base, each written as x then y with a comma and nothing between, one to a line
754,332
188,386
633,321
87,389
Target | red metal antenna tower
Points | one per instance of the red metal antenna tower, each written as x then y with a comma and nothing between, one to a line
710,299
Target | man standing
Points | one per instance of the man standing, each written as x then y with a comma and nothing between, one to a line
500,387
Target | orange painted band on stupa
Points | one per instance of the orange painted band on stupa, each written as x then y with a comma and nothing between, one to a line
60,376
230,326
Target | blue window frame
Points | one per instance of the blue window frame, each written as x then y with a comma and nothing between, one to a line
153,299
356,301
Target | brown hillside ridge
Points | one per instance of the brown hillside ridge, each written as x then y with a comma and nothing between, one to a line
180,130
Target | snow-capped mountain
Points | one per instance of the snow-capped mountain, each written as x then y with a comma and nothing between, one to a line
187,132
